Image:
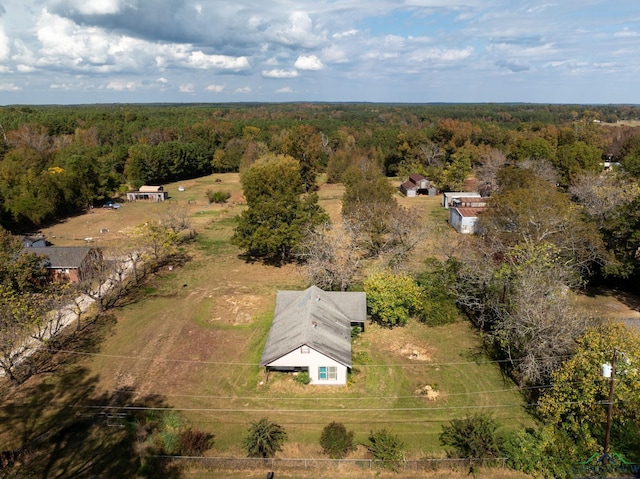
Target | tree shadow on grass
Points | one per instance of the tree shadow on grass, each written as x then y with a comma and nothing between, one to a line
61,426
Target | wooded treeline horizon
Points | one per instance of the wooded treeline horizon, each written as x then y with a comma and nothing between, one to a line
60,160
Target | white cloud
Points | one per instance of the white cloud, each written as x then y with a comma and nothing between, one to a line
97,7
66,86
308,62
187,88
286,89
201,60
121,85
506,48
4,45
67,45
298,31
162,80
215,88
9,86
25,68
625,32
244,89
378,55
279,73
335,54
348,33
443,55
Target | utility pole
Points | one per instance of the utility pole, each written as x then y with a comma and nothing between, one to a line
607,433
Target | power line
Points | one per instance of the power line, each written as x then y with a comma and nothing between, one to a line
325,398
332,410
220,363
291,411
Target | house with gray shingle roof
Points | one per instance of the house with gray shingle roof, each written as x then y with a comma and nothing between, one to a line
68,263
311,331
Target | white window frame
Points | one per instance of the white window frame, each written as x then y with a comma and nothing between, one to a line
330,373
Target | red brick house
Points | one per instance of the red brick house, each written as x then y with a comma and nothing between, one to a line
68,264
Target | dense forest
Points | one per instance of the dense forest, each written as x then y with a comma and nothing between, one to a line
57,160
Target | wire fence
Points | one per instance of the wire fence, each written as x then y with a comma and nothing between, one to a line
274,464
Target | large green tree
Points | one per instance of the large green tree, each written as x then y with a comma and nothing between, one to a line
576,402
530,210
279,212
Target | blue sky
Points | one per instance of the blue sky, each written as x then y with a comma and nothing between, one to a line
112,51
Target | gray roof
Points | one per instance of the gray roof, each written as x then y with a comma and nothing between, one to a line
62,256
315,318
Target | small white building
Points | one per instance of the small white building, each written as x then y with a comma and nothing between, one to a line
447,196
464,219
311,331
148,193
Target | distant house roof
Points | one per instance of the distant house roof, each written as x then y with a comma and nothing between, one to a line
33,241
416,177
470,212
63,256
409,185
315,318
151,189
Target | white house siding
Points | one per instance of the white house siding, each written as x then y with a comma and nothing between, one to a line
455,218
462,223
313,360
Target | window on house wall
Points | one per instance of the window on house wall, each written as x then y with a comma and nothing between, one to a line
304,350
327,373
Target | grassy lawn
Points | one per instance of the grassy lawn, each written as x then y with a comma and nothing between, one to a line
194,335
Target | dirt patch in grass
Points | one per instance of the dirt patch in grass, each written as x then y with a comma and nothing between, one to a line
400,343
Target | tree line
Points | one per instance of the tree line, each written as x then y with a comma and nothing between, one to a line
55,160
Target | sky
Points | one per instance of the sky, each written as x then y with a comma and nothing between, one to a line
412,51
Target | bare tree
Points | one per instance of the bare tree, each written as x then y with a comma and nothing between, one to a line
537,323
332,257
487,171
19,316
57,309
431,154
176,218
602,194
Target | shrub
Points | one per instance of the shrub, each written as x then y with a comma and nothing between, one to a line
392,298
336,441
168,435
217,196
439,301
545,452
264,438
387,448
472,437
194,442
302,378
355,332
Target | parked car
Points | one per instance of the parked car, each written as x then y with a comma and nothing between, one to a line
112,205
